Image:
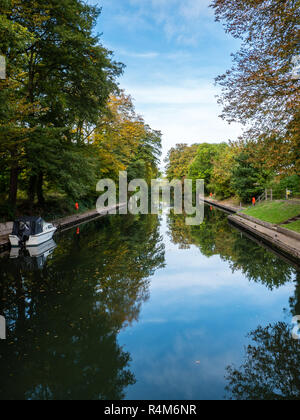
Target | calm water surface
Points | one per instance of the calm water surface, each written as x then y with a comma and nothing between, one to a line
149,308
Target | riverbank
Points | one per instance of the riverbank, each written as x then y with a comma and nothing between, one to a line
282,213
278,236
61,224
288,242
228,205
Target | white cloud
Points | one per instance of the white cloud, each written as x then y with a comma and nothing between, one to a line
143,55
180,19
194,9
178,55
187,113
197,93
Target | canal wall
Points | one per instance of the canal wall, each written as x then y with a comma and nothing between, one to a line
225,207
61,224
279,238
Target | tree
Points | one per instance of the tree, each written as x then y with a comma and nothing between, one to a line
246,179
179,160
13,106
125,142
221,177
66,77
259,89
148,154
202,166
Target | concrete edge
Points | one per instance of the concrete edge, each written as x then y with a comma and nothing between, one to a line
272,226
6,228
289,251
288,232
258,221
229,209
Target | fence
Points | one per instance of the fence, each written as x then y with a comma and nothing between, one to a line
271,195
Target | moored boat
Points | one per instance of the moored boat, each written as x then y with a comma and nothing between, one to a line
31,232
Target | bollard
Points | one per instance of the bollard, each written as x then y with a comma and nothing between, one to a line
2,328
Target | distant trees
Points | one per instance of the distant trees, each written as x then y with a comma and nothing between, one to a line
202,166
228,170
179,160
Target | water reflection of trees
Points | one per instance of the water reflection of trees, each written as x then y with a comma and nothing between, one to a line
63,321
216,237
272,367
271,370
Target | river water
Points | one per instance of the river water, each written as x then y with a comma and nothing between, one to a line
149,308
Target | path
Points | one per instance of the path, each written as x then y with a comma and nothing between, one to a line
61,224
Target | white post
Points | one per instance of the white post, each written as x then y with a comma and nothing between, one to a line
2,328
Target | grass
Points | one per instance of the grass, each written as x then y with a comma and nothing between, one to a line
275,211
295,226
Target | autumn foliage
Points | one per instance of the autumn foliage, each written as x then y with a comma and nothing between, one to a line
259,90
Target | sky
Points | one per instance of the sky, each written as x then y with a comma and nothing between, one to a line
173,50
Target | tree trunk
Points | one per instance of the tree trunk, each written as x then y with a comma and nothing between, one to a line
13,186
40,193
32,190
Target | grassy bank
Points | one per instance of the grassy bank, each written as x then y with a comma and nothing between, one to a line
276,212
295,226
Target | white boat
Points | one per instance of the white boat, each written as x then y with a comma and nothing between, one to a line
31,232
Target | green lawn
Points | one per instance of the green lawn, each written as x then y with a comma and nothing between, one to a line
295,226
274,211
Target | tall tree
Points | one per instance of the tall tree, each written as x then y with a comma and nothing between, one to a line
247,181
221,177
125,142
13,105
260,89
70,75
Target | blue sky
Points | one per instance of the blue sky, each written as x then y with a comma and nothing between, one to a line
173,50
